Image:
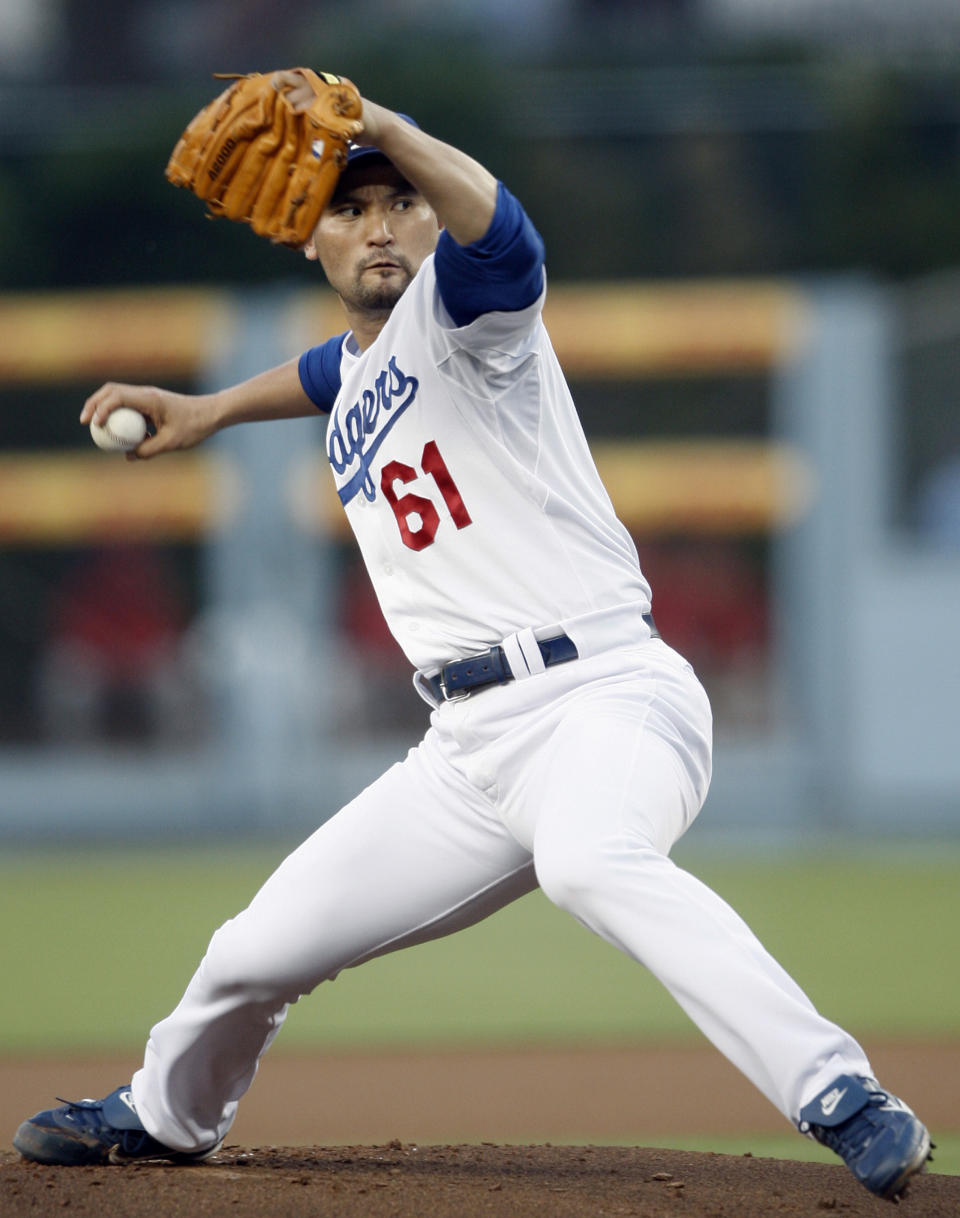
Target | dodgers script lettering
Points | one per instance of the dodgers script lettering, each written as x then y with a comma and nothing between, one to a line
356,433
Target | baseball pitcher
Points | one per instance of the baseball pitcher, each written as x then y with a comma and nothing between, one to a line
569,746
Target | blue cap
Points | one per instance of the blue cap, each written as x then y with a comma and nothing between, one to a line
361,153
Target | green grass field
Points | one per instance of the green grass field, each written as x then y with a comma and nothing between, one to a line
99,945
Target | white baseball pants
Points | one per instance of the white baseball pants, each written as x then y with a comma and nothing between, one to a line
580,780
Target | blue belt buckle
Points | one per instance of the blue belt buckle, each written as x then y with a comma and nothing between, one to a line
478,672
458,696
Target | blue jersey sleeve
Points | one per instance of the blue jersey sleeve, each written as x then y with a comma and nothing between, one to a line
502,272
320,372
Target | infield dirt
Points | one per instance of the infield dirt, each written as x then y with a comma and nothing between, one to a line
408,1181
311,1140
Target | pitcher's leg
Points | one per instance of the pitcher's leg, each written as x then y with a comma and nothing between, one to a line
415,856
618,789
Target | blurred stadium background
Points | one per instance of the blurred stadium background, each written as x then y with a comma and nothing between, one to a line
752,217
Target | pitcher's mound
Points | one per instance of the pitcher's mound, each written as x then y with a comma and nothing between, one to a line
408,1181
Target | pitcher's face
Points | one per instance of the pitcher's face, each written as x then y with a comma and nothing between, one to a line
373,237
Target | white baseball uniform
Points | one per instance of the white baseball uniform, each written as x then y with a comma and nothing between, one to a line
462,466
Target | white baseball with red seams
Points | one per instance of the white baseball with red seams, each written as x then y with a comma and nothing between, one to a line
483,522
123,431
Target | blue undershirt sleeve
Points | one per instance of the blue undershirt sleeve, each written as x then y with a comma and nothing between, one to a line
501,272
320,372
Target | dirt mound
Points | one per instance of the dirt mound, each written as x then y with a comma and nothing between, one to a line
400,1180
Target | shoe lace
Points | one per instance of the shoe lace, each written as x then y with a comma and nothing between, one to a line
90,1113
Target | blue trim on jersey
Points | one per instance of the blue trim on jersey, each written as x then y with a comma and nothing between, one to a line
502,272
320,372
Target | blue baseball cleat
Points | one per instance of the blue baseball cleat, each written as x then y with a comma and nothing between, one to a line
876,1135
95,1132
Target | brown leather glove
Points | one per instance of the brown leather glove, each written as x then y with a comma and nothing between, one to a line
253,159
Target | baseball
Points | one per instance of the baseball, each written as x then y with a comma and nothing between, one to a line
122,432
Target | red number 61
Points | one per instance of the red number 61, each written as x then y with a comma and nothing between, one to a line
405,506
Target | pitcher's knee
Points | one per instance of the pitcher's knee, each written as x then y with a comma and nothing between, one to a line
246,965
573,875
569,876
